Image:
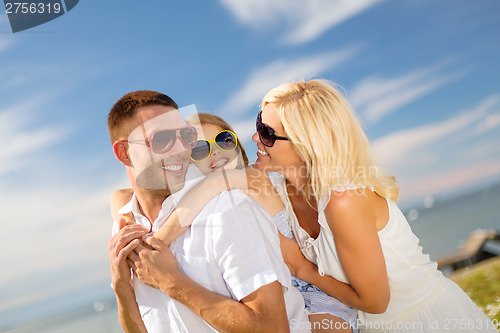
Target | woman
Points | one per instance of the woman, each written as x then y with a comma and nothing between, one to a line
218,150
352,241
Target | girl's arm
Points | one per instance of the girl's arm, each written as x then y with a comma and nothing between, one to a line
193,202
198,197
118,199
352,220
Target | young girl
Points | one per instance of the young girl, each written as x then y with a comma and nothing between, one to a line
224,152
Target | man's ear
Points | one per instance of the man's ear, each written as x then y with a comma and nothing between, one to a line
121,153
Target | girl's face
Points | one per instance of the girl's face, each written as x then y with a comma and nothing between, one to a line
281,157
218,158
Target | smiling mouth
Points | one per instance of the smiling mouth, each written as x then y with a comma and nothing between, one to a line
261,152
173,168
219,163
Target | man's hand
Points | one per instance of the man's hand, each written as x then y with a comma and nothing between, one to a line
120,246
154,264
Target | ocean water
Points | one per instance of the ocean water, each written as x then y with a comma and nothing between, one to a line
445,226
442,229
100,317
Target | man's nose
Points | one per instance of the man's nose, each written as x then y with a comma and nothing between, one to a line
178,147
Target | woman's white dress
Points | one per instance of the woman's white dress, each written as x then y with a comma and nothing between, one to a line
422,299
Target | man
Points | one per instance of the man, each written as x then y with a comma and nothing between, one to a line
225,273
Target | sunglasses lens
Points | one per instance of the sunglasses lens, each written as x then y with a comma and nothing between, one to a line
201,150
189,136
162,141
266,135
226,140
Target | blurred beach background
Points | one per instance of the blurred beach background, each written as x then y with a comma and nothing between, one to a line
423,76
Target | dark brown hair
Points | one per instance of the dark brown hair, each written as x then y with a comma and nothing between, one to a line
124,109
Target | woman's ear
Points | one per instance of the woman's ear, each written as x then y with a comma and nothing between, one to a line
121,152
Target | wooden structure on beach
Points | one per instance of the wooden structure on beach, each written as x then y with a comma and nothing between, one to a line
481,244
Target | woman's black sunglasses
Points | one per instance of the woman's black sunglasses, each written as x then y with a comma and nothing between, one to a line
266,133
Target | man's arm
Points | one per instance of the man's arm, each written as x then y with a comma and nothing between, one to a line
120,246
261,311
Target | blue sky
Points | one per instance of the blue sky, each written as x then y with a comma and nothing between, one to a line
423,76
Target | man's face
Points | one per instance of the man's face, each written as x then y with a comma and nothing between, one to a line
153,168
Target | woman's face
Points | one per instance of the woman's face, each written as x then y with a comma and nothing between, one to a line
218,158
281,157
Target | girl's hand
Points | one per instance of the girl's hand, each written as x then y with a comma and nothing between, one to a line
118,199
128,218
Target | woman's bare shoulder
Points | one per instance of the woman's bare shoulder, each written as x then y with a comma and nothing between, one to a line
356,205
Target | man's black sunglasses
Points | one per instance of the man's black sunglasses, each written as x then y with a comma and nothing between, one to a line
266,133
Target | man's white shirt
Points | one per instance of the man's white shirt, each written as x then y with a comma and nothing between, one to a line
231,248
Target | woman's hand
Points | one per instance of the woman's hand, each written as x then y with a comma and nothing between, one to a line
294,259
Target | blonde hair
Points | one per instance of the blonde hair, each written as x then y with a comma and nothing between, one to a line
211,119
328,137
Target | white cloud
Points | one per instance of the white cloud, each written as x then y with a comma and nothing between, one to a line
55,216
490,107
55,219
16,128
490,122
269,76
375,98
245,129
306,20
5,44
394,148
420,156
2,20
7,40
451,180
52,232
484,149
